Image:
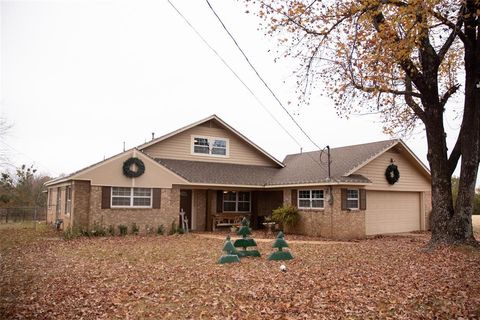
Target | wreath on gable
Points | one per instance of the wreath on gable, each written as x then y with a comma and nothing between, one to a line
392,174
127,165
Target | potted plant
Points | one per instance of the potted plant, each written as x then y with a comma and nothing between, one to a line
286,216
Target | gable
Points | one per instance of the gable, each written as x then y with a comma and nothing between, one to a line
179,146
412,176
110,173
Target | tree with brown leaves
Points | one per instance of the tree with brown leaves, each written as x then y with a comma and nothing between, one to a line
404,59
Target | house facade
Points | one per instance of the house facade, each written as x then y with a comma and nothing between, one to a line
215,175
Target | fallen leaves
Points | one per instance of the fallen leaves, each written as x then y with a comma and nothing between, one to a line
173,277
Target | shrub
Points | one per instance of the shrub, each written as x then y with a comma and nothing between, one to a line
173,229
161,230
111,230
286,216
135,229
180,231
71,233
122,229
98,230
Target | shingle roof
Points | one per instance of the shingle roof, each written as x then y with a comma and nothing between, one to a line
302,168
220,173
311,167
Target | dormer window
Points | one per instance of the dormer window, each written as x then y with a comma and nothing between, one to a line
210,146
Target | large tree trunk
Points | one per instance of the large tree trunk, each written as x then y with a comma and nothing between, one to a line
442,203
454,225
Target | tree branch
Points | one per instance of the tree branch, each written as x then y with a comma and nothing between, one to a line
451,91
450,24
407,64
455,155
455,31
410,102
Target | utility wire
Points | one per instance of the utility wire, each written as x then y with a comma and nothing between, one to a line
26,155
248,88
261,78
269,89
233,71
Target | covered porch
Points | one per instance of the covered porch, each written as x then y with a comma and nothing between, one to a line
211,209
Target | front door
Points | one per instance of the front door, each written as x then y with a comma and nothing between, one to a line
186,206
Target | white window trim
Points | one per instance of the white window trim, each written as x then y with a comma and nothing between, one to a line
357,198
237,201
58,208
131,206
312,208
209,138
68,202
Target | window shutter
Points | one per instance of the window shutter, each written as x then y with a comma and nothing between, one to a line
363,199
219,201
294,197
156,198
106,194
344,199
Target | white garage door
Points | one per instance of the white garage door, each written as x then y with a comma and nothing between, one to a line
391,212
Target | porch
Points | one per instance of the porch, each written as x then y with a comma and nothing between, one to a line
208,209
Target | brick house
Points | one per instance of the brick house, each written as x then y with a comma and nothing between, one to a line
216,175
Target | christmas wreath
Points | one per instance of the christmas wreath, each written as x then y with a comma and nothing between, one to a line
392,174
127,171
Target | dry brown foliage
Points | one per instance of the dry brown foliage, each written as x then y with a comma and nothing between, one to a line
171,277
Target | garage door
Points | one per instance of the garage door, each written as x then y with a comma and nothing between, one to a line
391,212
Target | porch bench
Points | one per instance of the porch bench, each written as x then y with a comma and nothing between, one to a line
228,219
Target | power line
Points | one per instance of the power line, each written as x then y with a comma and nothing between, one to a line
270,90
260,77
26,155
234,73
249,90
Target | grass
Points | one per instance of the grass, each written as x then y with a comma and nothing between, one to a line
171,277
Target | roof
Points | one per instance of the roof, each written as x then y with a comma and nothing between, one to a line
222,123
300,169
201,172
75,175
311,167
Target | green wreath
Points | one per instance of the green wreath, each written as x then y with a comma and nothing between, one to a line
392,174
129,172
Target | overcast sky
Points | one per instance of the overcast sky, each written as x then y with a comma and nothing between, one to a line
79,78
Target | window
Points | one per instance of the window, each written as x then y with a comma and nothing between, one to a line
59,199
210,146
68,200
352,199
131,197
236,201
311,199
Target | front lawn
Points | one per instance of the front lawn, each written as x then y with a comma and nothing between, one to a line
45,277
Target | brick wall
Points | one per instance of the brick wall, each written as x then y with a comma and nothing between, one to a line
80,203
168,212
331,222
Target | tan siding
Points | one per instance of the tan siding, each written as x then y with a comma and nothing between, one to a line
411,178
110,173
179,147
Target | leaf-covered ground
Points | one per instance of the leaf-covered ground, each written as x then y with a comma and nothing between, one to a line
176,277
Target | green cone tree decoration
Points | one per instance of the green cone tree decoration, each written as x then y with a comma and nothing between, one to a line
230,253
246,242
280,243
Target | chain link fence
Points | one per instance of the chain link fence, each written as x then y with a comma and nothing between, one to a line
8,215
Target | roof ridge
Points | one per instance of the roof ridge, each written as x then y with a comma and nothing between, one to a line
347,146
